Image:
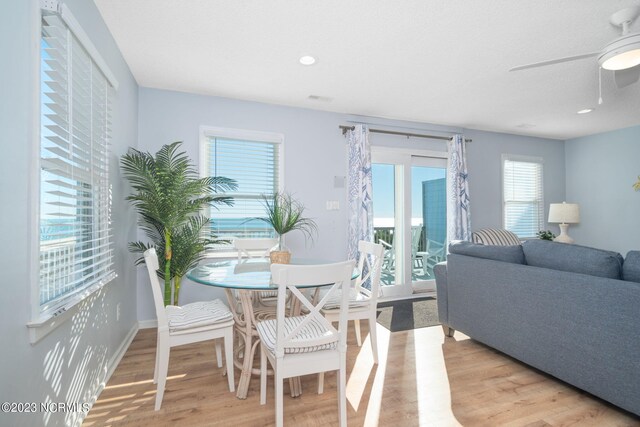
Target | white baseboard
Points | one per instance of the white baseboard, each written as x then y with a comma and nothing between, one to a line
113,363
415,295
148,324
117,356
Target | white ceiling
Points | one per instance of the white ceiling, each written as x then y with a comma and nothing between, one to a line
435,61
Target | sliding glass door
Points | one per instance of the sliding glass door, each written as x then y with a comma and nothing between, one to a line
409,207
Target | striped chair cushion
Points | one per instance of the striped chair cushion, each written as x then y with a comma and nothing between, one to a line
197,314
495,236
312,330
268,294
356,299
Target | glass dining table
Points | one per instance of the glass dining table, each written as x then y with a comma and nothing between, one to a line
240,279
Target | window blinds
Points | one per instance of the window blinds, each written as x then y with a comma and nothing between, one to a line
75,198
254,165
523,196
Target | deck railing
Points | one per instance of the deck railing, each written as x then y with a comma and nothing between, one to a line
56,267
386,234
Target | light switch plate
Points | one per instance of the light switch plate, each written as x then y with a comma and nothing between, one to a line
333,205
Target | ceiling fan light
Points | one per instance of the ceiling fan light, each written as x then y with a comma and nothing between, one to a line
623,60
622,53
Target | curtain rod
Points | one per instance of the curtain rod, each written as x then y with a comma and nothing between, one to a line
408,135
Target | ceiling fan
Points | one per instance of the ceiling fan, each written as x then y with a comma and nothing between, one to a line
622,55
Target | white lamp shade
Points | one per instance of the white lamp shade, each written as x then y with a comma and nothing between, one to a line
564,213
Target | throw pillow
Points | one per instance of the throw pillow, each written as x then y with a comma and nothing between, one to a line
495,236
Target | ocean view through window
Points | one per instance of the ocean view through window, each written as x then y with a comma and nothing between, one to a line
75,245
254,161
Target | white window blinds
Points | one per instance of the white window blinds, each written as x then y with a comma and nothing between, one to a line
523,196
75,198
255,166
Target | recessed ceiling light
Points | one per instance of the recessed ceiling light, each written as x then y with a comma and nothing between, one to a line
307,60
585,111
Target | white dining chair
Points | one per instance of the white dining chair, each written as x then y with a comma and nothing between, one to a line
307,344
252,249
363,301
190,323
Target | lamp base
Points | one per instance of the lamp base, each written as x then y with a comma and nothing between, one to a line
563,237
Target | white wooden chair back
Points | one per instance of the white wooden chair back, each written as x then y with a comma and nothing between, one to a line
151,260
243,246
287,276
370,266
416,236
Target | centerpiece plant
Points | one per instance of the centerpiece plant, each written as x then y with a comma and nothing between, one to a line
170,198
285,214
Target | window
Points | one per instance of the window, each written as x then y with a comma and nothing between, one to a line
254,160
75,248
523,205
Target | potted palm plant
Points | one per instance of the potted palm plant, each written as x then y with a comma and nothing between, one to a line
169,196
285,214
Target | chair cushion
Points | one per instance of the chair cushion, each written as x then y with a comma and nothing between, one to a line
573,258
512,254
267,294
312,330
197,314
631,267
495,236
356,299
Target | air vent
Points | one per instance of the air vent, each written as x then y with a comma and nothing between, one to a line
320,98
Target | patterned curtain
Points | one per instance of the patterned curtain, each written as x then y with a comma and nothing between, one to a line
458,216
359,186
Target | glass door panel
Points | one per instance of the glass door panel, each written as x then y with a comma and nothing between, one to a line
428,219
384,219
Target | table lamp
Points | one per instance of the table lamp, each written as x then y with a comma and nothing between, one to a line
564,214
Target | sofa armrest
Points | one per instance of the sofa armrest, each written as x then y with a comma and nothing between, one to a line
440,271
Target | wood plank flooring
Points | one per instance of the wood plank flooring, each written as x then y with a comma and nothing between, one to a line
423,379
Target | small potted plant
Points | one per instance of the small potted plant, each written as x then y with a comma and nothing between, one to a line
546,235
284,214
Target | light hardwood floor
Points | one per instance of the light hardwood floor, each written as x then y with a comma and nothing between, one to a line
423,379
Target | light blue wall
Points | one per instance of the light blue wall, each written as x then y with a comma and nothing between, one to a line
601,170
315,152
484,156
70,364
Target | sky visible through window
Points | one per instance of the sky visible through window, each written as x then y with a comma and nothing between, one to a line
383,190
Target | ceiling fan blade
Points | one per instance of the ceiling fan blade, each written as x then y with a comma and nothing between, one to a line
555,61
626,77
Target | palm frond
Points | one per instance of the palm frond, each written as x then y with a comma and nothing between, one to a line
285,214
169,196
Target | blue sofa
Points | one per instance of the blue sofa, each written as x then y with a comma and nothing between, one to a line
568,310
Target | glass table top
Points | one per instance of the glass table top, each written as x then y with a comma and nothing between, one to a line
246,274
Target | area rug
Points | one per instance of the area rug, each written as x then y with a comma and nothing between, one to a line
408,314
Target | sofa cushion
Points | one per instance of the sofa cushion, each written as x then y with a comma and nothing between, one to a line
512,254
495,236
631,267
573,258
